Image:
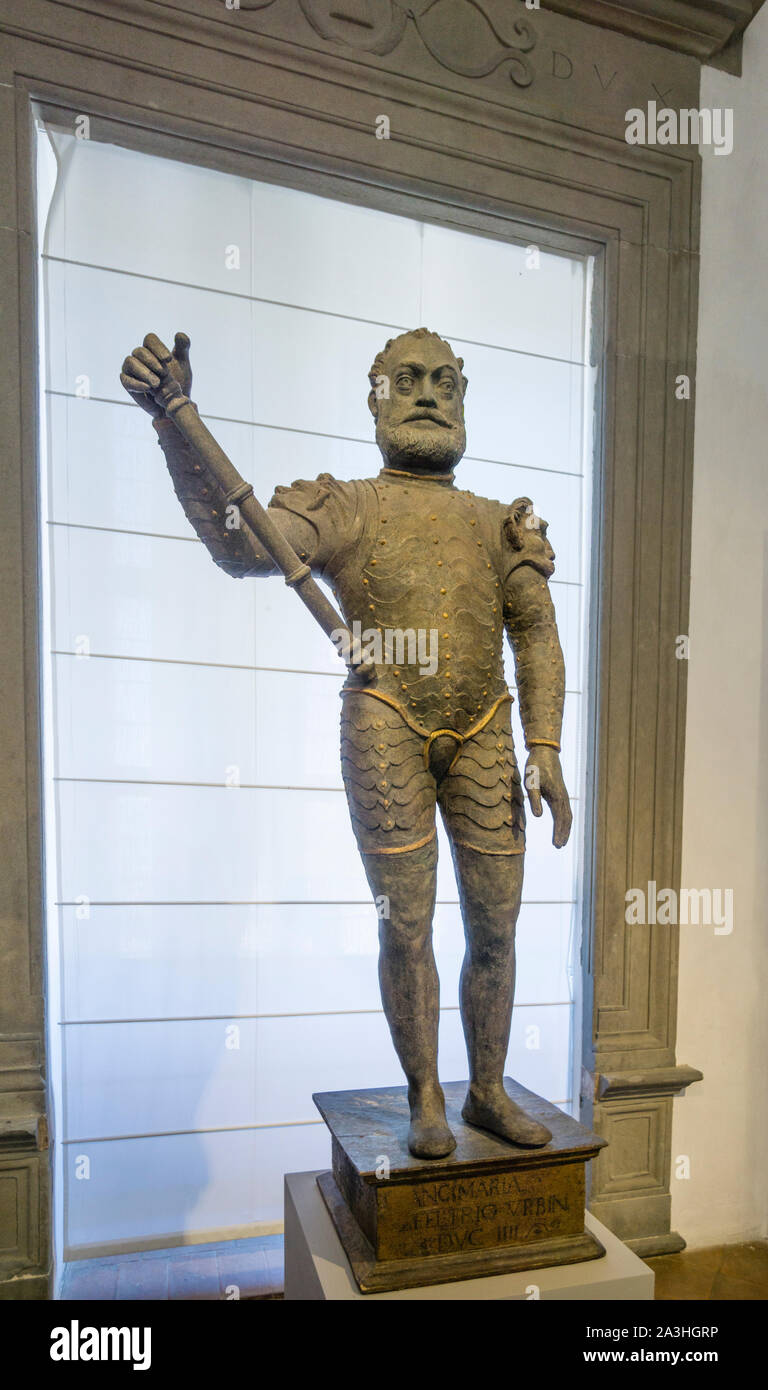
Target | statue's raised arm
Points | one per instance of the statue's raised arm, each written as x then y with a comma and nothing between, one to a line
241,536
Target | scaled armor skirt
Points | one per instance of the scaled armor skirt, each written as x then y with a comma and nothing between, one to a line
396,774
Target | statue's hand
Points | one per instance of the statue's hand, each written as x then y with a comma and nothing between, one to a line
145,373
544,778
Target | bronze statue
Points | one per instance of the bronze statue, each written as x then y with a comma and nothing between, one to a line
407,553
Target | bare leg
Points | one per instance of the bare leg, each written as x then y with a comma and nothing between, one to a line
490,888
410,989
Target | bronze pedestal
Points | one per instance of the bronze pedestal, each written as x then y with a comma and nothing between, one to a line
489,1208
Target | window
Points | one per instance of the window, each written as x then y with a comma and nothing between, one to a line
213,943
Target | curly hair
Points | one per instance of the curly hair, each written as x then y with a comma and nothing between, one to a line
377,367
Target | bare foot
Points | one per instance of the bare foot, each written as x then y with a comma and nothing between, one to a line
429,1135
493,1110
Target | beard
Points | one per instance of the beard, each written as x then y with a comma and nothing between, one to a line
410,446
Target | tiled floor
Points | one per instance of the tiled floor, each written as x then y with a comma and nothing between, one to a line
237,1268
255,1269
733,1272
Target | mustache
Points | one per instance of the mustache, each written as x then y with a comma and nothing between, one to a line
428,414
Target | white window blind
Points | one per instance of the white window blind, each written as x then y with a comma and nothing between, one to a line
213,946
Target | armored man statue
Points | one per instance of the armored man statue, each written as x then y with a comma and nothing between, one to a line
409,552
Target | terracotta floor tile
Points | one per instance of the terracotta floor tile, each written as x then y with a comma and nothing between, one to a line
737,1289
674,1284
748,1261
717,1272
689,1275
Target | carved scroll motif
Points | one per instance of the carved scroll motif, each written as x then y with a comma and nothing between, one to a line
458,34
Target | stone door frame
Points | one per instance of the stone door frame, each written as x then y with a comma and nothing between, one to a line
277,92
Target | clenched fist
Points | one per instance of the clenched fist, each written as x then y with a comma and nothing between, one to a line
151,369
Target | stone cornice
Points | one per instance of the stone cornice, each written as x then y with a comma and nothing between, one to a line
656,1081
703,28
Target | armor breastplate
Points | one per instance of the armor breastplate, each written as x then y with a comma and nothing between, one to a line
431,577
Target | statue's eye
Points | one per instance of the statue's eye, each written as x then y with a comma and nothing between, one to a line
447,386
404,381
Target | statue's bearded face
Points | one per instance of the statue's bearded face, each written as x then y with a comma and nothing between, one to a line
420,423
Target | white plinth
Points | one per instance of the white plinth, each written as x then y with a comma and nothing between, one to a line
316,1267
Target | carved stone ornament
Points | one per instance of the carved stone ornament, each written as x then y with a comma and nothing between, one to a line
459,34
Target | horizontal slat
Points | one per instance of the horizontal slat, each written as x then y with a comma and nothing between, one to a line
142,1078
193,1182
143,596
253,960
132,720
274,364
106,469
417,273
176,843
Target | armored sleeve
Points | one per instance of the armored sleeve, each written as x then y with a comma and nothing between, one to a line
225,535
529,618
